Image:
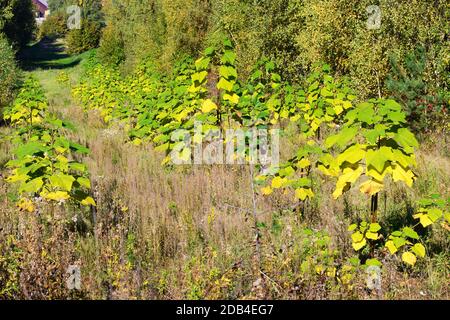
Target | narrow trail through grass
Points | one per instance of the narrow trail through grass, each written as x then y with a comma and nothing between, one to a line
46,60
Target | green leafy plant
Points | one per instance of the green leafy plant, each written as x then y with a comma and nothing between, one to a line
375,144
43,164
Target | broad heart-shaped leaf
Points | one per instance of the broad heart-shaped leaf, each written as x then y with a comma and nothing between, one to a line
372,235
374,227
359,245
409,258
419,250
56,196
342,138
202,64
366,112
303,163
80,167
399,242
32,186
326,93
278,182
434,214
303,193
357,236
84,182
62,181
229,57
372,135
397,117
379,158
404,160
288,171
348,177
89,201
373,262
378,176
16,177
61,145
400,174
267,191
30,149
352,155
232,98
425,221
406,138
225,85
392,105
208,106
371,187
410,233
199,77
391,246
228,72
163,147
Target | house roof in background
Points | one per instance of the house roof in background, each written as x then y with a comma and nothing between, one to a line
43,2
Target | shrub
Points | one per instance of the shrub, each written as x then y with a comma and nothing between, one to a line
84,39
111,51
17,21
54,26
9,73
426,110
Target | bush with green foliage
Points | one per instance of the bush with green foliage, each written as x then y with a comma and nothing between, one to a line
293,33
111,50
426,109
9,73
17,21
54,26
84,39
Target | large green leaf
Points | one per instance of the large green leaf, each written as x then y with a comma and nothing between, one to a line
378,158
229,57
342,138
32,186
410,233
30,149
406,138
352,155
62,181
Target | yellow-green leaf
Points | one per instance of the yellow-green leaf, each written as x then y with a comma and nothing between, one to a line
84,182
232,98
371,187
56,196
303,193
208,106
278,182
409,258
400,174
267,191
371,235
62,181
391,246
89,201
357,237
359,245
419,250
352,155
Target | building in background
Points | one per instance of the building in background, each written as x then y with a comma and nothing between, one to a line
41,10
